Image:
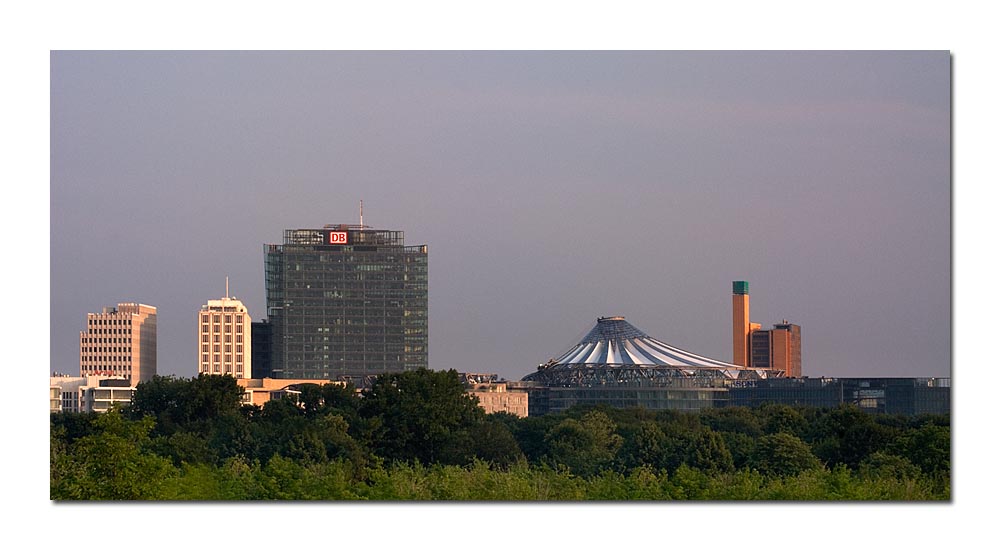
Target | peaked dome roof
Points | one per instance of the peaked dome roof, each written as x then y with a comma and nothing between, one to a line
614,343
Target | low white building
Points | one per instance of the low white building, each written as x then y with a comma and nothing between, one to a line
93,393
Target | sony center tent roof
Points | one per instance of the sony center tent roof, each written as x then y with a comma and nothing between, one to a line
615,345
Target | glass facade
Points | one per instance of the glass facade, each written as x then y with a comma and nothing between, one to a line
903,396
651,398
347,310
760,349
260,349
906,396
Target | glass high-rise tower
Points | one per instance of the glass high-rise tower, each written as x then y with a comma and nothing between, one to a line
345,301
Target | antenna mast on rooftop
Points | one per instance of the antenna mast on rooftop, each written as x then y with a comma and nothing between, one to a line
362,209
227,287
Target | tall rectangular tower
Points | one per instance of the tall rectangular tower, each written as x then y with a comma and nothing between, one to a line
778,349
260,350
787,348
224,338
120,341
741,323
345,301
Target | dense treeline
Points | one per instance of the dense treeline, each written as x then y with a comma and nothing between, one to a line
417,435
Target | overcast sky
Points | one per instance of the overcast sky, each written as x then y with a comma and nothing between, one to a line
550,188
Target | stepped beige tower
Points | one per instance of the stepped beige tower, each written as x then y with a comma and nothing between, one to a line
120,341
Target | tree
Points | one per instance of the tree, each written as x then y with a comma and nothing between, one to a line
282,429
423,415
881,465
180,403
494,444
741,447
213,396
928,447
644,446
585,446
164,398
340,397
782,418
113,463
710,453
311,399
232,436
73,425
732,420
783,454
847,435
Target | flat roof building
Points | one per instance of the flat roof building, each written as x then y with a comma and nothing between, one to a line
93,393
493,395
905,396
120,341
258,391
778,348
345,302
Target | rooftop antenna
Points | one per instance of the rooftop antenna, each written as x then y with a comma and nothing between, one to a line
362,208
227,287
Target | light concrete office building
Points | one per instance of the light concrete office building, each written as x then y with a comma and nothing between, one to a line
493,395
224,338
258,391
120,341
93,393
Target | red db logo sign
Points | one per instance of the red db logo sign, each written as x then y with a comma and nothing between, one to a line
337,237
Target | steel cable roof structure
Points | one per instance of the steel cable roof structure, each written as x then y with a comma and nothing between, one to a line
615,353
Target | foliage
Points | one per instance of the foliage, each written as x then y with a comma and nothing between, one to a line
846,435
418,436
114,463
740,420
584,446
493,443
783,454
179,404
928,447
782,418
885,465
423,415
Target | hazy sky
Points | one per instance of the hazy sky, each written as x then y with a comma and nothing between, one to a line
550,188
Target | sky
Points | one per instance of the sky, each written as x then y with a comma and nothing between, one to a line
102,140
551,188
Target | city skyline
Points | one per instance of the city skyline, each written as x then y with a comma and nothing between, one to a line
550,189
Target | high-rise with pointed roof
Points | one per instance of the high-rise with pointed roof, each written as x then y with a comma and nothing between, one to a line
224,338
